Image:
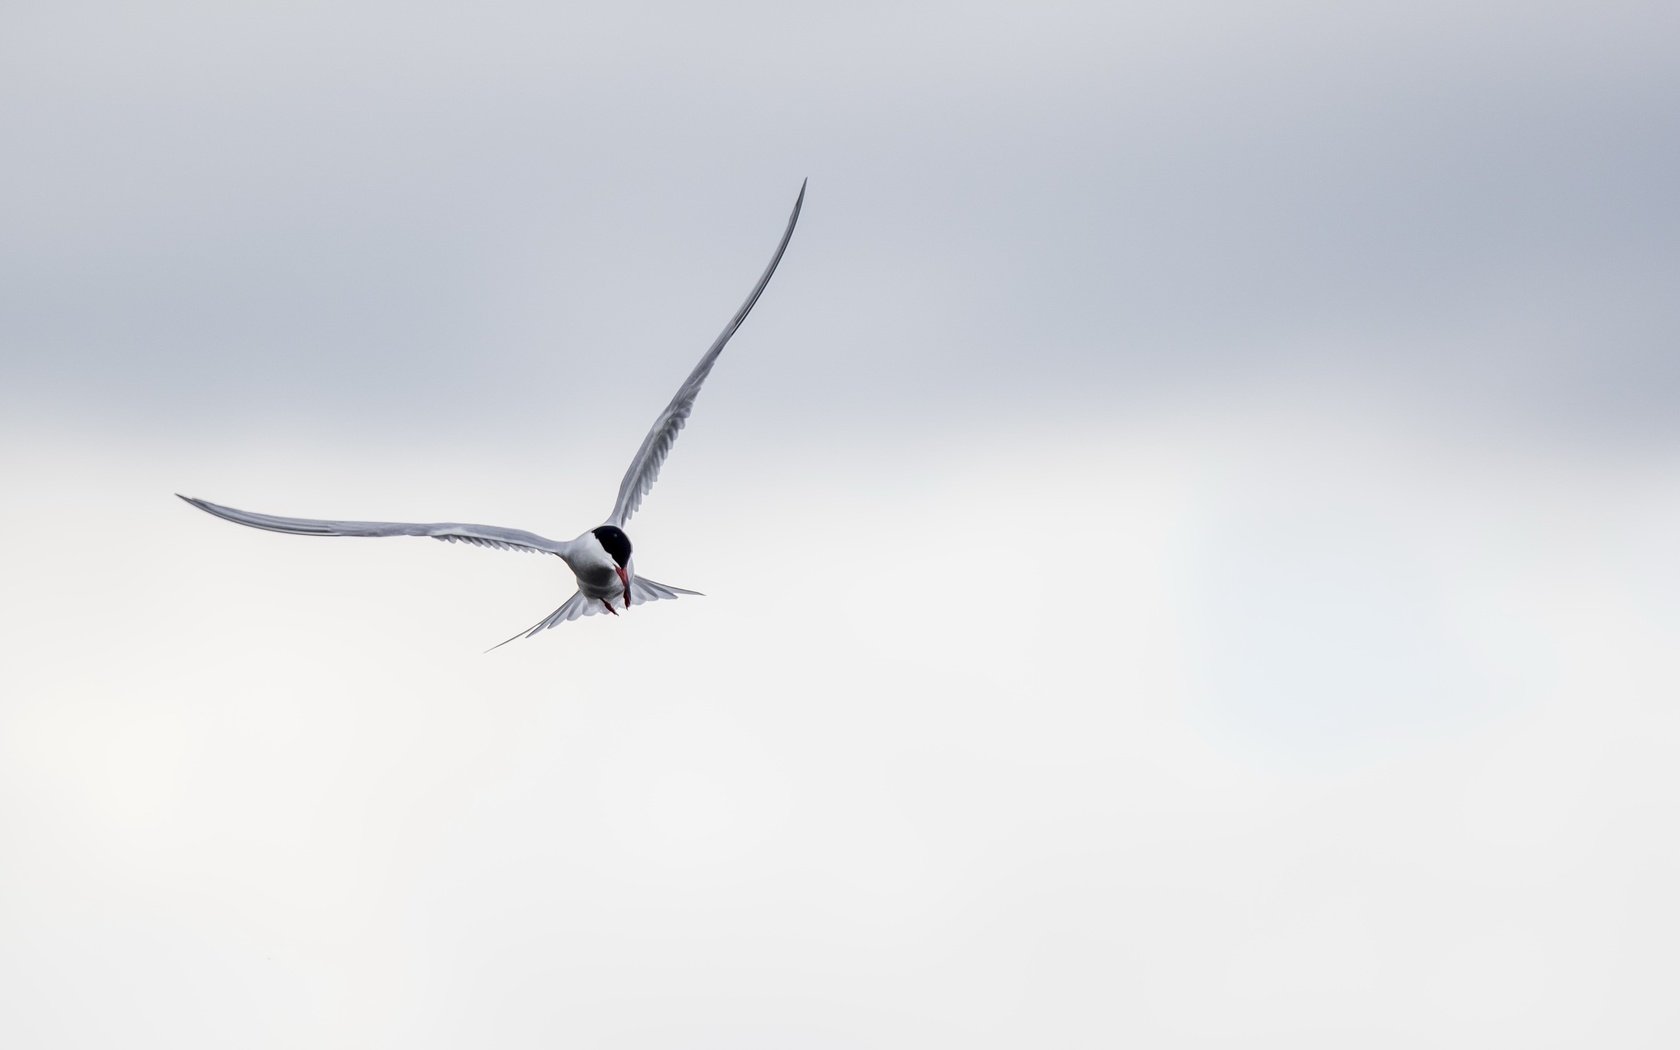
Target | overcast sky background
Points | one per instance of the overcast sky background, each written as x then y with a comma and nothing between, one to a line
1189,532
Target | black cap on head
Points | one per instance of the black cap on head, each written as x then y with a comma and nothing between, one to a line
615,542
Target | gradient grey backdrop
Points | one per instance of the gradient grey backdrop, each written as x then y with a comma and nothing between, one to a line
1189,531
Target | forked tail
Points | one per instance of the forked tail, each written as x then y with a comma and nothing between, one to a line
642,591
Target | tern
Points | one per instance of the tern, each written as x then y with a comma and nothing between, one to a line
601,557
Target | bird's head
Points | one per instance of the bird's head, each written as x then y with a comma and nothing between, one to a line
617,545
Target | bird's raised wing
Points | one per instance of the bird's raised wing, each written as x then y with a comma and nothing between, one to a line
452,532
644,469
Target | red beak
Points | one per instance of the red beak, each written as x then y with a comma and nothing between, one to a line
624,576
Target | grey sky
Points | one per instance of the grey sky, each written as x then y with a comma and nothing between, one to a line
233,213
1187,533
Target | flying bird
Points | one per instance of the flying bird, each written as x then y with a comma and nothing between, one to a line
601,557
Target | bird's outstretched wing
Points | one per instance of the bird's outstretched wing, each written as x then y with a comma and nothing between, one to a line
452,532
578,606
644,469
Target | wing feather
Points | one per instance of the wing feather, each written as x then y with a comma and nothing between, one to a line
644,468
492,536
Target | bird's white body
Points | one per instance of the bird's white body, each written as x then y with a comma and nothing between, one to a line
599,558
